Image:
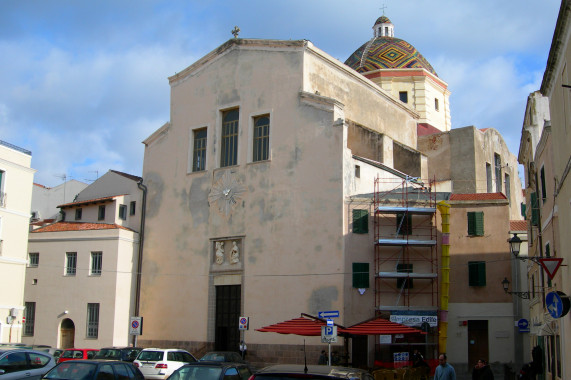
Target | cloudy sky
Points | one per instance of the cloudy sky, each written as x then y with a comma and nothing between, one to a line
83,83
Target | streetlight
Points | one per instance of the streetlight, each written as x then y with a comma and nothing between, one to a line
506,285
515,243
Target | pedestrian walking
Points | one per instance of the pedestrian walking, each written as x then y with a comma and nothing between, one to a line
444,371
482,371
322,358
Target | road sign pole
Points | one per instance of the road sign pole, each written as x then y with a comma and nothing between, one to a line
329,362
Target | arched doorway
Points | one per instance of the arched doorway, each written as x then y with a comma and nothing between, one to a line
67,334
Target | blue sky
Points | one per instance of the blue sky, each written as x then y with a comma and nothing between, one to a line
84,83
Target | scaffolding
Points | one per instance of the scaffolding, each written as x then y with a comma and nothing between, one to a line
406,254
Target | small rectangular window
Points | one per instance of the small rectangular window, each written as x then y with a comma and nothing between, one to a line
403,96
357,171
78,212
132,208
71,263
101,213
498,167
404,224
404,283
30,315
477,273
489,187
507,186
360,221
261,138
199,150
229,145
96,263
361,275
92,320
476,223
123,212
543,186
34,258
436,105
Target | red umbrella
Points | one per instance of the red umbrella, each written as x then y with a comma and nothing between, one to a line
299,326
380,326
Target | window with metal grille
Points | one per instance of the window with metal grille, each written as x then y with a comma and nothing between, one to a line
92,320
476,223
360,221
477,273
361,275
229,148
96,263
78,212
101,213
404,224
34,258
30,315
498,167
133,208
123,212
404,283
199,149
261,138
71,263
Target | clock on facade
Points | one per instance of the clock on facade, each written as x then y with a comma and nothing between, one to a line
226,193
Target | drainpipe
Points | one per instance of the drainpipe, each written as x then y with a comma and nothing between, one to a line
140,255
444,209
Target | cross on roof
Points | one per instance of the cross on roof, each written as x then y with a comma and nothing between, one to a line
383,8
235,31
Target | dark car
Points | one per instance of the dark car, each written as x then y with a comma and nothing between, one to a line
223,356
21,363
94,370
208,370
299,371
126,354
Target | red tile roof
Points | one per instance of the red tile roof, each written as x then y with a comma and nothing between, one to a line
477,197
518,225
423,129
95,200
76,226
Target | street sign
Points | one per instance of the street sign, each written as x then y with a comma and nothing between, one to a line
550,265
523,325
328,334
328,314
136,326
243,323
557,304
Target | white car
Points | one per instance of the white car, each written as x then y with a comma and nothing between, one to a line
160,363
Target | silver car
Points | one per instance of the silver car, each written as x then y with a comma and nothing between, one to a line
20,363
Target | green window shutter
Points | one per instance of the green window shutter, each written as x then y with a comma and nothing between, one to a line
477,273
361,275
534,209
405,283
360,221
404,224
543,189
476,223
523,209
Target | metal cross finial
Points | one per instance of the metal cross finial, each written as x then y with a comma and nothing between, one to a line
383,9
235,31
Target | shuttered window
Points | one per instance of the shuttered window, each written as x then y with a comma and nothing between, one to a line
360,221
477,273
476,223
534,209
361,275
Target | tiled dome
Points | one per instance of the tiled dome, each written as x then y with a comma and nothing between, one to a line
386,52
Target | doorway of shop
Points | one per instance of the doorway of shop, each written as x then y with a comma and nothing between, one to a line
477,341
67,334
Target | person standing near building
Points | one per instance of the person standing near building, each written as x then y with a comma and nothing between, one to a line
444,371
322,358
482,371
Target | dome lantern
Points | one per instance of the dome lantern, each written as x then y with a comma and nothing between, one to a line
383,27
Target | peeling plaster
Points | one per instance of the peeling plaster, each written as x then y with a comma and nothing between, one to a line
322,299
155,186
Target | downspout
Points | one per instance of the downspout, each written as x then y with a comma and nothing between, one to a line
140,254
444,209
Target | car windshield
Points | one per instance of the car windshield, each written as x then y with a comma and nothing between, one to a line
106,353
150,356
197,373
72,370
213,356
69,353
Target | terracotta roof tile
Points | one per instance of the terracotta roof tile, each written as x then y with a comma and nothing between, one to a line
76,226
88,201
518,225
477,197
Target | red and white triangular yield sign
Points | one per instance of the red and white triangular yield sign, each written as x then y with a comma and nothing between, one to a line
550,265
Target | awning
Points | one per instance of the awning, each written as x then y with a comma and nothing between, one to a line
381,326
305,325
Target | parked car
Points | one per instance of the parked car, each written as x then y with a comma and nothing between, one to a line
210,370
22,363
223,356
126,354
160,363
297,371
77,353
94,370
